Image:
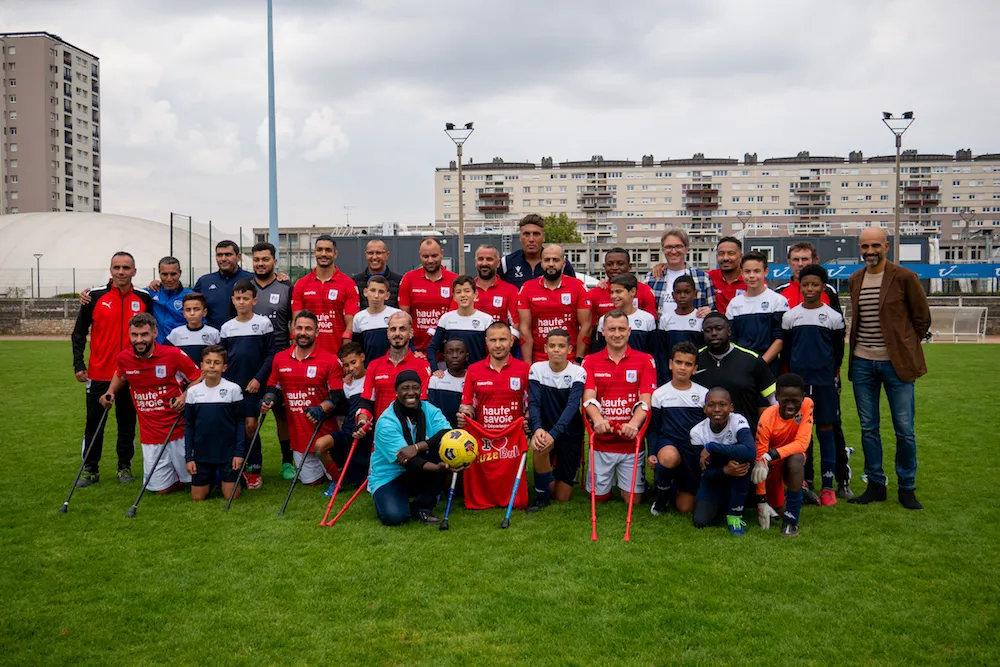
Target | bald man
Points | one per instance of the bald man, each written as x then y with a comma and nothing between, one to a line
553,301
890,318
425,293
377,257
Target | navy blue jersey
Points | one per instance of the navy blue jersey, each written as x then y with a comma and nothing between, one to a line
642,336
214,431
250,346
470,329
218,291
675,413
756,320
673,329
193,341
445,393
371,330
814,343
554,399
516,270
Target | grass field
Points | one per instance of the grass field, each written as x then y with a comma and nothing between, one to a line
185,583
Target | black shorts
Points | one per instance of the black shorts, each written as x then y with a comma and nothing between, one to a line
208,473
826,403
565,457
687,477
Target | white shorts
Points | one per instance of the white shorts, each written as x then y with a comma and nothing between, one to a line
170,469
312,470
608,465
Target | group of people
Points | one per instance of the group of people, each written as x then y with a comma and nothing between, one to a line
722,377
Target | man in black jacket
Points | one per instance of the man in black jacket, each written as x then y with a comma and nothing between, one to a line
377,254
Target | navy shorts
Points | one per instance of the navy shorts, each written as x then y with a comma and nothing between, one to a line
565,457
206,475
826,403
687,476
251,404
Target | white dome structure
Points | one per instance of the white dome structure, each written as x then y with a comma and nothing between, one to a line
76,250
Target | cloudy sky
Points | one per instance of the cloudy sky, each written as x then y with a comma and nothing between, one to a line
364,88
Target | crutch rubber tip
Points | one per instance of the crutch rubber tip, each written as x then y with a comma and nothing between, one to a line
64,509
505,524
444,526
130,513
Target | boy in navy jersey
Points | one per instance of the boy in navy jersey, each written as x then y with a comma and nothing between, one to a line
623,290
444,391
352,358
681,324
466,323
249,342
371,325
555,391
192,338
814,335
677,407
755,315
214,433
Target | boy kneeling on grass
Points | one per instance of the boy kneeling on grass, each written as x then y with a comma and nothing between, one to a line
215,434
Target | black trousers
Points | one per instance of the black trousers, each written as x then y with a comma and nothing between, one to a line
124,415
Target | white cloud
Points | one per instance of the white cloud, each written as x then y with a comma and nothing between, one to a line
321,136
284,132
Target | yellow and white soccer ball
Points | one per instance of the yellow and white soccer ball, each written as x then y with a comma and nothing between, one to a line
458,448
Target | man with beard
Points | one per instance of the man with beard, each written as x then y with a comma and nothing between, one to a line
617,263
380,379
553,301
153,374
522,265
727,280
330,294
311,382
377,254
425,293
494,296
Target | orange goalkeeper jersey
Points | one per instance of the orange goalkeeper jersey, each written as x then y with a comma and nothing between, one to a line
788,436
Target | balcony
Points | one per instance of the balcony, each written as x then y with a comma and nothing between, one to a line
96,117
482,195
96,133
699,205
97,178
67,90
94,102
67,153
493,208
94,88
97,206
810,228
809,204
921,188
701,191
802,189
67,76
68,138
596,206
97,145
67,59
97,191
594,192
68,123
69,185
703,232
97,161
67,106
913,203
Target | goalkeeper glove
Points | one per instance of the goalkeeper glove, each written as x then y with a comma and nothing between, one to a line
764,515
759,472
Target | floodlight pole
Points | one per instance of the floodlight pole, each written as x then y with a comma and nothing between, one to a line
272,142
38,273
460,136
897,126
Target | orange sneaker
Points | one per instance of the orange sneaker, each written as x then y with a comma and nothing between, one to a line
828,498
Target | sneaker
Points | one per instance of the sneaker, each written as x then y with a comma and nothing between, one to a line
737,526
287,471
844,491
537,506
908,499
427,518
809,497
875,493
659,507
252,480
828,498
329,490
125,476
789,528
88,478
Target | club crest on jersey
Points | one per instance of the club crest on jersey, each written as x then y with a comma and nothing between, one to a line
274,298
385,320
517,272
567,380
223,392
310,371
204,338
475,324
332,295
692,321
763,305
161,371
497,301
822,318
798,418
694,398
178,304
445,292
740,291
212,286
566,299
632,376
135,306
255,328
637,322
515,384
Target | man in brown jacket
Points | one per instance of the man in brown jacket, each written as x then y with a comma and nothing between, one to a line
890,318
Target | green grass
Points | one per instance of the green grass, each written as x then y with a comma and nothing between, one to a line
185,583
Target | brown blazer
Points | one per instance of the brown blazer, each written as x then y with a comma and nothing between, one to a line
904,315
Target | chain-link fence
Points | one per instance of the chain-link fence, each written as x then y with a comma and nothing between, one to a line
46,283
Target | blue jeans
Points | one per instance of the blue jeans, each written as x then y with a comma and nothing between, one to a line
867,378
392,501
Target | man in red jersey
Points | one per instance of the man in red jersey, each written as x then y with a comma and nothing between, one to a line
311,381
620,383
495,297
380,379
153,374
495,396
727,280
616,263
425,294
105,316
553,301
330,294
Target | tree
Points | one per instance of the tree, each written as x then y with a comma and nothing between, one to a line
560,229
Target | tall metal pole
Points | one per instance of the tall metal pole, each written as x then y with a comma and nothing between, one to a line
272,142
895,223
38,272
461,217
211,255
171,234
190,253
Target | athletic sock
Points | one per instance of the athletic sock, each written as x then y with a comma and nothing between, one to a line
543,485
333,470
828,456
793,504
286,451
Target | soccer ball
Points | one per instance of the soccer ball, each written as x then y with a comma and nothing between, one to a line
458,448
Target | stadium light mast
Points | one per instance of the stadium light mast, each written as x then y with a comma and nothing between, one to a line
897,126
460,136
38,273
272,142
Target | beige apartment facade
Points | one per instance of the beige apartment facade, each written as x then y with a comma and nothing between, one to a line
631,203
51,125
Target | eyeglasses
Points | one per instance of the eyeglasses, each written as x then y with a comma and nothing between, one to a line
673,247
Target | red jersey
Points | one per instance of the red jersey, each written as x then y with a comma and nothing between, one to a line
499,301
427,300
153,381
106,318
725,292
330,300
489,481
553,309
497,397
619,385
380,379
601,304
303,384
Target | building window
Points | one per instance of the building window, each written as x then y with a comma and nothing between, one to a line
447,191
13,148
13,115
11,50
12,130
13,194
12,99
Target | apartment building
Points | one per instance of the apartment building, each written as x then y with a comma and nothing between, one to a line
628,203
50,116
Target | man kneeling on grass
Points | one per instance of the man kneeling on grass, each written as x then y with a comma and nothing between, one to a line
406,475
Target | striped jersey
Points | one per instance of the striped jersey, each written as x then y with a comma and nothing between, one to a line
193,341
756,320
470,329
445,393
250,346
554,399
675,413
814,343
214,431
734,443
869,324
371,331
